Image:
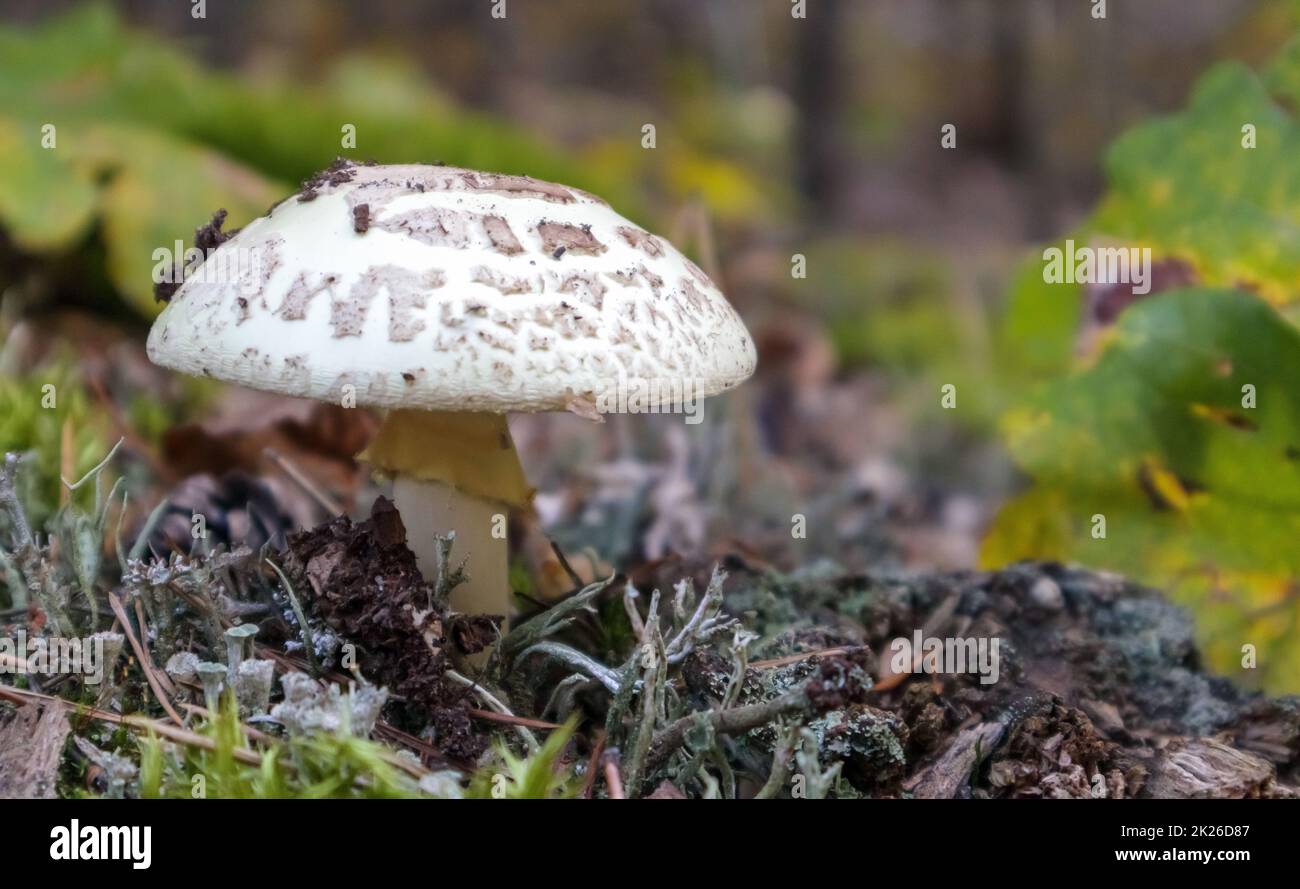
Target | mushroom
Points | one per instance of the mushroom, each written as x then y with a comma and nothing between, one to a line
450,298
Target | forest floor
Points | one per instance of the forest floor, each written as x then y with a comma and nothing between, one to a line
675,638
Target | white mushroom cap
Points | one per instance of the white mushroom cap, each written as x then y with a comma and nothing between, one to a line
447,289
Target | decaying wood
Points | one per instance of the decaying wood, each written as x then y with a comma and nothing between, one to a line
31,744
1204,768
943,778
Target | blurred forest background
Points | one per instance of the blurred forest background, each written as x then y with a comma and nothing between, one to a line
775,138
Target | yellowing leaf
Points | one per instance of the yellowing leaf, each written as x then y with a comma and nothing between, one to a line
1199,492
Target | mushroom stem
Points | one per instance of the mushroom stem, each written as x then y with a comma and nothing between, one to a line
455,472
433,509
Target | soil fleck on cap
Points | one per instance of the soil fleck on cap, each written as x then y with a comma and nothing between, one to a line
337,173
206,238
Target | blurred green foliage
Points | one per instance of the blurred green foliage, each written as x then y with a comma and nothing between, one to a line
1198,493
320,765
537,775
1150,425
147,144
900,309
34,410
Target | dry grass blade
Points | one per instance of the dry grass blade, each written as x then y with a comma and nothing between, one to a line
772,663
933,626
170,732
593,766
613,777
304,481
150,672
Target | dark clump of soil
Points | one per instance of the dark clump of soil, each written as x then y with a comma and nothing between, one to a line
337,173
210,237
362,580
163,291
207,237
361,218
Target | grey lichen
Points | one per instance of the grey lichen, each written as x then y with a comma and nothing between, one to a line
871,742
236,639
213,676
184,665
253,682
309,707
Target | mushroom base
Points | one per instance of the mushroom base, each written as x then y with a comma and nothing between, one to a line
432,508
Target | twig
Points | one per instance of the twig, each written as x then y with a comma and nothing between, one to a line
564,563
796,658
613,778
933,626
411,742
143,723
251,733
495,703
735,721
593,766
163,679
93,472
509,719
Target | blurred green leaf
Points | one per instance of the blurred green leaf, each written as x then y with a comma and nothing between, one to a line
1040,327
1200,494
43,203
34,410
151,144
1145,425
1187,187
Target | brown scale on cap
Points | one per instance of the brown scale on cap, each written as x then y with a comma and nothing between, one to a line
304,288
642,240
563,237
407,292
502,236
504,283
518,186
265,261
